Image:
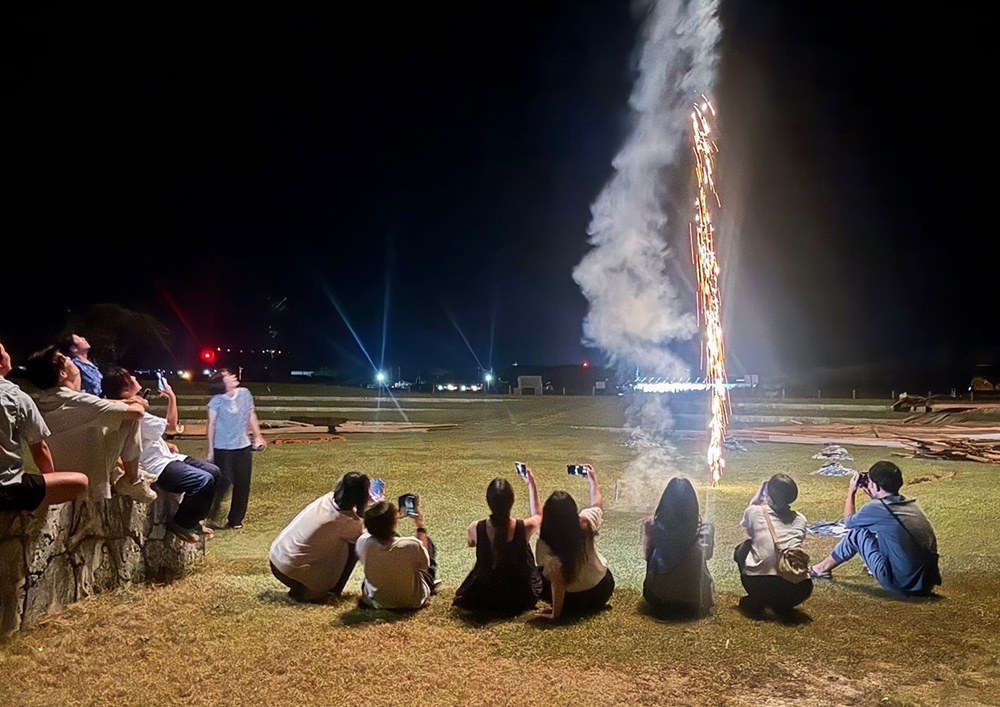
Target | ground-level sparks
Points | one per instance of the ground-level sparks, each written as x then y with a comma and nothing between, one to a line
707,269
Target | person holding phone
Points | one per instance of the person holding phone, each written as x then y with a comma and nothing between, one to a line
575,576
771,526
163,462
315,554
501,579
677,546
231,419
399,571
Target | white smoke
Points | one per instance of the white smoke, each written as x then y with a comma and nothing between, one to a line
635,313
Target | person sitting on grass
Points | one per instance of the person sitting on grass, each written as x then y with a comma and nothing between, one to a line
314,555
771,526
575,577
501,579
677,546
21,422
399,572
89,433
164,464
891,533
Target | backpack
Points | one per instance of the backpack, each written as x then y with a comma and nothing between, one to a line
793,562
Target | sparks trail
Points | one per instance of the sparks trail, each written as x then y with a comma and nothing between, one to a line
707,269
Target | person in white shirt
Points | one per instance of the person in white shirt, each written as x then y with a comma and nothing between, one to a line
89,434
575,576
757,556
163,463
21,424
314,555
399,572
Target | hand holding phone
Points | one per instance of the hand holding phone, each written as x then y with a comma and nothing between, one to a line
409,505
161,381
521,469
576,469
376,492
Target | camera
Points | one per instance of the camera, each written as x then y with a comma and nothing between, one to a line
408,503
862,480
145,393
576,469
522,469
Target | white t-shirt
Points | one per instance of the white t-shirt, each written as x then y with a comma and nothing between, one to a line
594,566
394,576
313,548
155,452
20,421
762,558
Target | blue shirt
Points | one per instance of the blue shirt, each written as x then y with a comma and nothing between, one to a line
90,377
906,558
232,419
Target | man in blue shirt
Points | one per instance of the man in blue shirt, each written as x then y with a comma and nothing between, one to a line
891,533
78,349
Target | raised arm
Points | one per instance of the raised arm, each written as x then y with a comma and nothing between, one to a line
533,522
647,538
850,508
173,416
596,501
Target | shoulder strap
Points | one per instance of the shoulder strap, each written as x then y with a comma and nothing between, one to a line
770,526
903,525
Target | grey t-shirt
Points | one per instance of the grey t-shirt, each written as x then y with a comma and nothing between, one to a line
20,423
232,419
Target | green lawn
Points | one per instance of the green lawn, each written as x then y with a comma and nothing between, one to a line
227,633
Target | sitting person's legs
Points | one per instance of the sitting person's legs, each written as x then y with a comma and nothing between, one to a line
196,480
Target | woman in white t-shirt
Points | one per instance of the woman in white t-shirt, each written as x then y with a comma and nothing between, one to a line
757,557
575,577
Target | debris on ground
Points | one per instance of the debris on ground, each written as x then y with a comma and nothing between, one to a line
834,468
833,451
733,445
924,478
829,528
961,450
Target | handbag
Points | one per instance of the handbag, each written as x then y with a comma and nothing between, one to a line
931,566
793,562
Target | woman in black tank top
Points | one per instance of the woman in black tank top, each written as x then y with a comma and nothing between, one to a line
501,579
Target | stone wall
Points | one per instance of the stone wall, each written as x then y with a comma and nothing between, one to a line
61,554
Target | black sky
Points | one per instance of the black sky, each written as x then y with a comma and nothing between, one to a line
225,158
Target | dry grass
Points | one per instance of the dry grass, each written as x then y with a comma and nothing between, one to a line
227,634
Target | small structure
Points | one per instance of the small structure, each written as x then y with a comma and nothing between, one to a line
529,385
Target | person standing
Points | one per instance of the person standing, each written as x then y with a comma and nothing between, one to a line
231,420
78,350
22,423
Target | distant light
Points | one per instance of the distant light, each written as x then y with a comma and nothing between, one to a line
440,387
462,388
208,356
489,377
186,375
206,372
586,364
380,377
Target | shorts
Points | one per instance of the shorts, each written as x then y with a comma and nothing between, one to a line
26,495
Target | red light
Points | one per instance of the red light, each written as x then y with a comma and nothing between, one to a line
208,355
586,364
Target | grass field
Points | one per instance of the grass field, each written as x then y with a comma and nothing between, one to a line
227,634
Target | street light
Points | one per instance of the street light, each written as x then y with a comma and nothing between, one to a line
380,376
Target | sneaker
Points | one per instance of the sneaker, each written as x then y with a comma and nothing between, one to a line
139,490
188,535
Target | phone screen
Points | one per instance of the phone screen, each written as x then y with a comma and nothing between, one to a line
522,469
377,490
161,381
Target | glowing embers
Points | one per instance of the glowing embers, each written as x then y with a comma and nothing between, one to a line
707,270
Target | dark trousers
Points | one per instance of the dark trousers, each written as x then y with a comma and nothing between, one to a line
300,592
579,603
194,478
235,466
774,591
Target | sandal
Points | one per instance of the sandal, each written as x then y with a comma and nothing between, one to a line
813,574
238,526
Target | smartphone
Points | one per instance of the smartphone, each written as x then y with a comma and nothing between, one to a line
145,393
408,504
522,469
376,491
576,469
161,381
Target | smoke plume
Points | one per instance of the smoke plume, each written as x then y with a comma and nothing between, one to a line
635,314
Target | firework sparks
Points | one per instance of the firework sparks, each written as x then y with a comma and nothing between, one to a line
707,269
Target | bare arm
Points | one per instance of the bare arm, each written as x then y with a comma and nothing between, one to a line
533,522
255,428
470,534
647,538
43,457
173,416
596,501
558,593
136,408
849,506
422,535
212,417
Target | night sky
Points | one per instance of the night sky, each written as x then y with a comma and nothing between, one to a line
205,165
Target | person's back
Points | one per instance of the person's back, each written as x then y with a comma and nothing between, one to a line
902,547
682,584
399,572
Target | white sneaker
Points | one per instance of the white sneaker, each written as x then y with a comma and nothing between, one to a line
138,490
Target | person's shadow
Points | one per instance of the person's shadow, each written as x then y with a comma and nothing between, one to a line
543,623
362,615
786,617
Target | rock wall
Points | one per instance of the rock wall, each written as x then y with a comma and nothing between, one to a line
61,554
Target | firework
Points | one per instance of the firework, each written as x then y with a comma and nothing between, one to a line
707,268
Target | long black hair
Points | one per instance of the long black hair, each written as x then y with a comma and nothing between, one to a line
561,531
500,499
675,523
352,492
